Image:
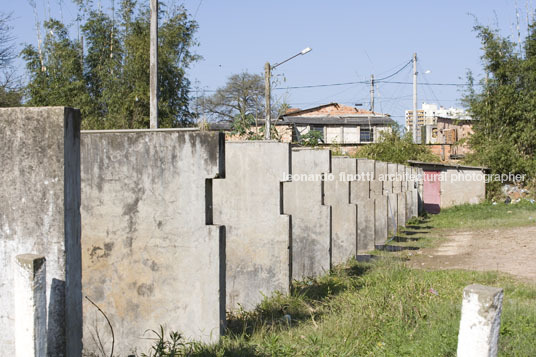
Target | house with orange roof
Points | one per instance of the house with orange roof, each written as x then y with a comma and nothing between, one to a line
338,124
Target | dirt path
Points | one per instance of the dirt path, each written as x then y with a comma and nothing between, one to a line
509,250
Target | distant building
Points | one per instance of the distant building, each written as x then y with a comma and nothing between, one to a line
338,124
427,120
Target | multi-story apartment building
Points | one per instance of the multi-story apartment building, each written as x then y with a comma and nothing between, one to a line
428,114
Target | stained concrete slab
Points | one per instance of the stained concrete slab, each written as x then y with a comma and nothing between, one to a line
380,173
380,220
311,218
402,178
151,255
343,213
409,205
361,195
365,226
401,217
249,203
392,172
379,189
392,213
39,214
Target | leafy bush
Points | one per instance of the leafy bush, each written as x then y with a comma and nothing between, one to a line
504,108
397,148
312,138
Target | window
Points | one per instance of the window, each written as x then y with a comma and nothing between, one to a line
318,128
366,135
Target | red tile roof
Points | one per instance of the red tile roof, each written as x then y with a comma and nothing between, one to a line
331,109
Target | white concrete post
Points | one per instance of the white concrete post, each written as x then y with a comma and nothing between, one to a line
480,322
30,306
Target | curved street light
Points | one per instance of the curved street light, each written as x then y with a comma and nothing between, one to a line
267,77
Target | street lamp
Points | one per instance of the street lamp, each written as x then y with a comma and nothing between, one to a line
267,77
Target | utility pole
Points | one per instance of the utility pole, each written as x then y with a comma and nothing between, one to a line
415,98
372,93
153,66
267,77
268,116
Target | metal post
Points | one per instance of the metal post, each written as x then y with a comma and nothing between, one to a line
415,98
153,66
267,75
30,306
372,93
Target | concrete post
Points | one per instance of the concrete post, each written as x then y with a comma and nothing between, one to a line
480,322
30,306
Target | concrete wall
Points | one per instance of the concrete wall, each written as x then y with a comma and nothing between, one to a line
380,202
381,216
392,171
462,186
361,195
150,254
343,213
392,188
39,213
401,217
249,203
310,218
420,186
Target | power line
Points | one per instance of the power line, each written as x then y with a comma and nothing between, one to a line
397,72
368,82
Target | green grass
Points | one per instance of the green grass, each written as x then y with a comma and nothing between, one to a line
385,308
375,309
486,215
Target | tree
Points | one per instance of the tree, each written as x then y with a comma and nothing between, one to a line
505,108
10,94
240,101
105,73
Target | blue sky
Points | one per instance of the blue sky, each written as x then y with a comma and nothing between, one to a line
350,40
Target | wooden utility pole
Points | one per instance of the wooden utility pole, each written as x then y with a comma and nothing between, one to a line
153,66
415,98
268,116
372,93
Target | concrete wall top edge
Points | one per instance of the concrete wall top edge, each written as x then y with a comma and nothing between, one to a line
145,131
37,108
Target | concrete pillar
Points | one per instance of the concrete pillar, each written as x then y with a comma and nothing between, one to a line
392,213
380,220
392,171
480,322
30,306
40,213
311,227
401,217
365,226
343,213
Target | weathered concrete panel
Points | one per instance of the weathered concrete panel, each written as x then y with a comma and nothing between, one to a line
380,220
365,226
343,213
249,203
311,219
420,187
361,195
415,201
461,186
392,213
401,217
380,173
150,254
402,178
40,214
409,205
392,172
